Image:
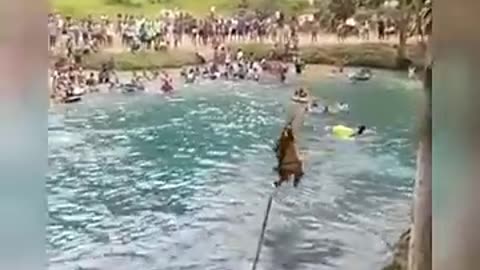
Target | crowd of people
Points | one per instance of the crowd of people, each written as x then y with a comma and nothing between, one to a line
72,38
173,28
236,65
69,81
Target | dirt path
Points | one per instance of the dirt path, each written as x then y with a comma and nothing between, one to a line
323,39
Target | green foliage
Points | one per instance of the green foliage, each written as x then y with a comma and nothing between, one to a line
370,3
128,3
298,6
342,9
287,6
80,8
266,6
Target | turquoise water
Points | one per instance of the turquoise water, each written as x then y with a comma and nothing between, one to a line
146,182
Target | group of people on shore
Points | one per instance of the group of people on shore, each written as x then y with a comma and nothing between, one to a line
172,28
237,65
69,81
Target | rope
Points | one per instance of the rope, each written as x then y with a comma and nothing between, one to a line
267,213
262,234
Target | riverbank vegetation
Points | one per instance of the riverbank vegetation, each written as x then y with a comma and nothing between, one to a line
149,60
374,55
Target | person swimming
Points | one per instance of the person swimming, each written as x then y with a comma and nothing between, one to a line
91,80
190,76
345,133
300,96
336,108
299,65
167,83
411,72
283,73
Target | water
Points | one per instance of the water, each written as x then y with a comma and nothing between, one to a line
146,182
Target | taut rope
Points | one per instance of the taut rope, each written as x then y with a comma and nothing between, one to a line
262,234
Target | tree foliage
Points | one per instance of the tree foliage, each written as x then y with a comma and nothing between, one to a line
370,3
342,9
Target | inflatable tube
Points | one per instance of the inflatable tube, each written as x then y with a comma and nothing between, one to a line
357,76
72,99
343,132
130,88
78,91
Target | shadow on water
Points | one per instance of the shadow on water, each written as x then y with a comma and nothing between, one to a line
289,251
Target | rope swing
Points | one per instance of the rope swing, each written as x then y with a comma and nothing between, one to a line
262,234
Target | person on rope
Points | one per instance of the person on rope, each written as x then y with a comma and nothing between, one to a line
288,158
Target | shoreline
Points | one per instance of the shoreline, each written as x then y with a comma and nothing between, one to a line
372,55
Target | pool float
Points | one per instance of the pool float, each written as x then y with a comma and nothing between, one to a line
131,88
317,110
343,132
78,91
362,75
343,107
72,99
301,96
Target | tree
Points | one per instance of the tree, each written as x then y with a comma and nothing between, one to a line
420,248
342,9
243,4
401,14
370,3
402,23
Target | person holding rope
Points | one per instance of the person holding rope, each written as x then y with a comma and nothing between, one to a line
288,158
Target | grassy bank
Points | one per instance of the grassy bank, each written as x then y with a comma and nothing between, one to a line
374,55
80,8
143,60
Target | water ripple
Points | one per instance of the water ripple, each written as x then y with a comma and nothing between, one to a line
150,183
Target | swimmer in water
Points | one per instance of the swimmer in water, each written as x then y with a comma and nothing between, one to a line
135,78
343,132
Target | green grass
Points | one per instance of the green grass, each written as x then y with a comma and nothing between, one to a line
143,60
80,8
375,55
